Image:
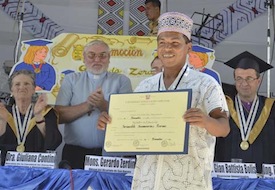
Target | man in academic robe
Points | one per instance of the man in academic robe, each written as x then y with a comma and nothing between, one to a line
252,117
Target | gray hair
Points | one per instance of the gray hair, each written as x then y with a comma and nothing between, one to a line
96,42
22,72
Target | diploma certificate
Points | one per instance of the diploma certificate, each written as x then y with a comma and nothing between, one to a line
148,123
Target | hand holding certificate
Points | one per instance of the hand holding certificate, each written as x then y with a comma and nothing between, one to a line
147,123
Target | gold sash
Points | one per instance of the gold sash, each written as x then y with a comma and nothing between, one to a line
32,121
260,123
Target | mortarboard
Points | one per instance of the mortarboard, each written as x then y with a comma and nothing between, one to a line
175,22
247,60
67,72
199,48
38,42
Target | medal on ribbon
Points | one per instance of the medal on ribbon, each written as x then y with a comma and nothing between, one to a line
246,124
21,128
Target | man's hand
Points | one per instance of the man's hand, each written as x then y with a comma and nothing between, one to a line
96,99
103,119
216,123
195,116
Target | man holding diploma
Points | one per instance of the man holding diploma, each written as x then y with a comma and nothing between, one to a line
207,116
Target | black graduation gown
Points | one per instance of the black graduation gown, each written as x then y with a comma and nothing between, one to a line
35,142
262,150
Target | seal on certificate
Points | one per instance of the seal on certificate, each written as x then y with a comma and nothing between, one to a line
136,143
164,143
108,144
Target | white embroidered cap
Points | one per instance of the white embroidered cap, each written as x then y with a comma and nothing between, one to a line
175,22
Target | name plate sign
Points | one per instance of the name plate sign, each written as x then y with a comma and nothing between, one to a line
31,159
268,171
110,164
231,170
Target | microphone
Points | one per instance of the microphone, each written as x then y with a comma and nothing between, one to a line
64,164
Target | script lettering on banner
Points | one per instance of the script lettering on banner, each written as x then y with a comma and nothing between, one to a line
231,170
268,171
130,55
110,164
31,159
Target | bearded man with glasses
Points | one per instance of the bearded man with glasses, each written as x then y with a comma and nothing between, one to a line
252,120
82,97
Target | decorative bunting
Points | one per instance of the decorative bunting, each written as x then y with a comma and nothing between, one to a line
111,13
110,17
34,20
229,21
138,22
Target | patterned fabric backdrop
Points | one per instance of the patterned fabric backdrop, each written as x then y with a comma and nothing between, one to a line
110,17
138,22
34,20
229,21
111,12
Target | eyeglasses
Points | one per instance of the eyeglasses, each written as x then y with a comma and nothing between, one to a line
248,80
102,55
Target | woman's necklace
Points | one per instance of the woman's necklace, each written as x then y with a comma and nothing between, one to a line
21,128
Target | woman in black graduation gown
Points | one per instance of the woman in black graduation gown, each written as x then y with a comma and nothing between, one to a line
27,126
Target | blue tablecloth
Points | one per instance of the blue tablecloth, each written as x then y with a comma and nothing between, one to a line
243,184
21,178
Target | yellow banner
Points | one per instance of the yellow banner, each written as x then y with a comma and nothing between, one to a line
130,55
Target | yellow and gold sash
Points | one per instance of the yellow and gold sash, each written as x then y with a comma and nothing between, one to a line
32,122
260,123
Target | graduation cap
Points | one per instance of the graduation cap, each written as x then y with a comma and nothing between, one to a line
67,72
38,42
199,48
247,60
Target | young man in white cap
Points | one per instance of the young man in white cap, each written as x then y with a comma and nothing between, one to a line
207,116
